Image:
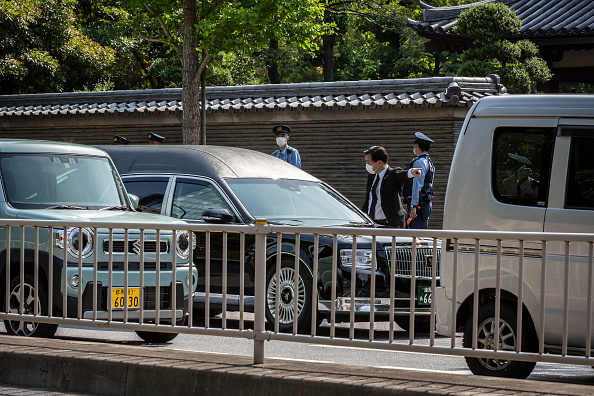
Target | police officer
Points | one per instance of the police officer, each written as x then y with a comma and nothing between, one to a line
153,138
120,140
285,152
419,191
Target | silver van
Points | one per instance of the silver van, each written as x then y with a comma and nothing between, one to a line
522,163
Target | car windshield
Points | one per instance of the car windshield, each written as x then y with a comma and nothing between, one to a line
295,202
41,181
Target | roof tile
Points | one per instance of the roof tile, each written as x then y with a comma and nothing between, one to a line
344,95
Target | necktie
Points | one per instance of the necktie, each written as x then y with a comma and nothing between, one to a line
373,197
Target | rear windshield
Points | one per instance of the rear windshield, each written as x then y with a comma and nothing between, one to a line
38,181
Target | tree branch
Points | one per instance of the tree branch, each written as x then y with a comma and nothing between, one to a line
165,30
202,66
213,8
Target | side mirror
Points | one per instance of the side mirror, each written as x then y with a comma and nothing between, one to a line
217,216
134,200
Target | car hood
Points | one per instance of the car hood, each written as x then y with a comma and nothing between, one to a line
96,215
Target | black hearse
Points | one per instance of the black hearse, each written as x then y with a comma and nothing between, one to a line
236,186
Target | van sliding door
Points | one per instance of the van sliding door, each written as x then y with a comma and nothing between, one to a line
570,209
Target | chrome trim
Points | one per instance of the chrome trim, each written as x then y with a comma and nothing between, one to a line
423,261
363,304
150,246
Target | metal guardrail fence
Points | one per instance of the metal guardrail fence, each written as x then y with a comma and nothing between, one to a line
35,288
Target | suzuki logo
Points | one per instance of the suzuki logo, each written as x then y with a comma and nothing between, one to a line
136,247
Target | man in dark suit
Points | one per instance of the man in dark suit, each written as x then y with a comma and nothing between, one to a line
384,188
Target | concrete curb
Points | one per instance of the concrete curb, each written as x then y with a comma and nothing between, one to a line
107,369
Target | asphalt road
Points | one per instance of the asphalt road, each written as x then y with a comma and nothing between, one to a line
377,359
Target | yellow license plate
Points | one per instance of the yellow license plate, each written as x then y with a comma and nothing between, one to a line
118,298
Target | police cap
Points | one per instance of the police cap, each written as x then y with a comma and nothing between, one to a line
120,140
153,137
281,130
421,138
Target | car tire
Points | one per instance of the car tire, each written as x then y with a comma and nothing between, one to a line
422,324
154,337
287,297
507,341
28,329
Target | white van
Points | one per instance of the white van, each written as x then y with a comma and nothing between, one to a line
522,163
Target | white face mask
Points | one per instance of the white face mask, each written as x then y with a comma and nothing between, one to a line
281,141
369,169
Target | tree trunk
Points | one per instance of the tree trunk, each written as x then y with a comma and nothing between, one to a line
329,41
437,57
191,125
273,73
203,100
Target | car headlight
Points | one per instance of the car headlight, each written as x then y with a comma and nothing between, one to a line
77,243
182,244
362,261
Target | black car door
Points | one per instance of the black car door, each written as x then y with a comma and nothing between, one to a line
150,190
191,197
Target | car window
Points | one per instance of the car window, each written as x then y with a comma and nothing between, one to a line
191,199
521,164
295,202
149,192
37,181
580,179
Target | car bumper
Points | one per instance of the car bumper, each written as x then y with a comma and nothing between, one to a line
134,315
364,305
443,310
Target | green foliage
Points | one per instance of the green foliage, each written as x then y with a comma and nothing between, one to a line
249,25
43,50
488,22
104,84
565,87
516,63
233,68
295,65
412,60
167,71
225,26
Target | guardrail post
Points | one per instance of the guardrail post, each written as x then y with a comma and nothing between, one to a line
260,292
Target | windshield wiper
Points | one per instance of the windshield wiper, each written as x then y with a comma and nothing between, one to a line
116,207
67,207
285,221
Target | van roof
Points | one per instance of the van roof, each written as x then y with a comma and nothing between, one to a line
558,105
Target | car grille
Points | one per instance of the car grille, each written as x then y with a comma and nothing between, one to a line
148,266
403,259
134,246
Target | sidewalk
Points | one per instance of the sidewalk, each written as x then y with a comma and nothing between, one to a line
107,369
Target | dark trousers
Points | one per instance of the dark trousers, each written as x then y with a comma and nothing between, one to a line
421,222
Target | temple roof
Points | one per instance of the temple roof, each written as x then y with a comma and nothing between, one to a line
541,19
344,95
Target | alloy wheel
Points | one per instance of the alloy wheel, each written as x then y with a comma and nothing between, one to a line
486,340
23,328
286,289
